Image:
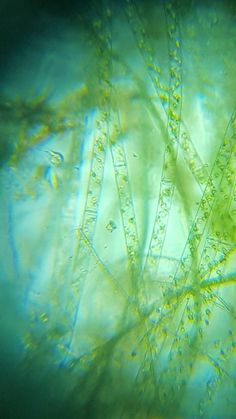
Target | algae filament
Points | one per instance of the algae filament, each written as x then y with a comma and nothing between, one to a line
118,213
